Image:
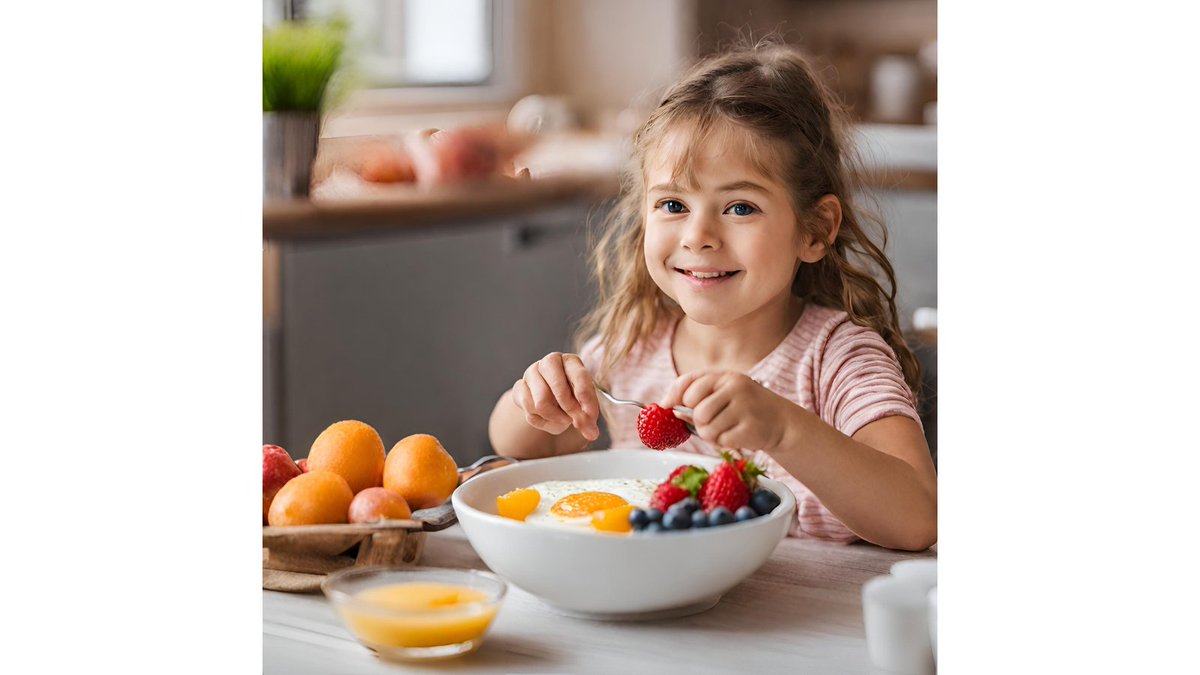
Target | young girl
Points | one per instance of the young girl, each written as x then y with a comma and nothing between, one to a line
736,278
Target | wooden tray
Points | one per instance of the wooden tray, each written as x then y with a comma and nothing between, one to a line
297,558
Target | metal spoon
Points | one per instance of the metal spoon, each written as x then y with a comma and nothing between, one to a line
679,409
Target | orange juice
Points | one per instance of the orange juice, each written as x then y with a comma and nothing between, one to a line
418,614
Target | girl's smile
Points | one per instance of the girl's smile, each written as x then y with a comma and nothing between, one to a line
706,277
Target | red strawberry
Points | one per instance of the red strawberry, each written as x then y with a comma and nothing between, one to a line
685,481
730,484
724,488
667,494
660,429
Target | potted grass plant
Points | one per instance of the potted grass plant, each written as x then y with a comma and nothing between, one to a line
299,61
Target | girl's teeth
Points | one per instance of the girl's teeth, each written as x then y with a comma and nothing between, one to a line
707,275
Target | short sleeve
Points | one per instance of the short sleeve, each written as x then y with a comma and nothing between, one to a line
859,380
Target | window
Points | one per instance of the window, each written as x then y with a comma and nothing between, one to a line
416,43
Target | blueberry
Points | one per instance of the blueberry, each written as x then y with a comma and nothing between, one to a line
720,516
679,509
639,519
700,518
654,526
691,504
677,520
654,515
745,513
764,501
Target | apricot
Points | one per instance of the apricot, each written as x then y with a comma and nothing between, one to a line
351,449
378,503
421,471
615,519
312,498
518,504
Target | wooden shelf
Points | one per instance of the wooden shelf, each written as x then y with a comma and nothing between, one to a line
404,207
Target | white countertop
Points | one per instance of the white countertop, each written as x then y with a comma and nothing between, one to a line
801,611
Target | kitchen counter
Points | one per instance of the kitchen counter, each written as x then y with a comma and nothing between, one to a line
800,612
344,206
570,167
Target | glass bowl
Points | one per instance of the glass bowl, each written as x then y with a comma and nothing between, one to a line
416,613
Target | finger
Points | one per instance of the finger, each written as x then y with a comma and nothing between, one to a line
720,419
521,397
554,372
544,402
523,400
584,389
701,388
674,395
541,423
728,436
706,410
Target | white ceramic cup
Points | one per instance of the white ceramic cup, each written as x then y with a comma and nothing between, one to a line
921,572
896,621
933,621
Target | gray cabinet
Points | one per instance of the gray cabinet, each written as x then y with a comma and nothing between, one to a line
421,331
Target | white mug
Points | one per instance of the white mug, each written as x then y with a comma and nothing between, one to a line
922,572
933,621
896,621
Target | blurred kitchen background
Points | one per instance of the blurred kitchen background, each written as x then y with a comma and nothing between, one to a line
414,316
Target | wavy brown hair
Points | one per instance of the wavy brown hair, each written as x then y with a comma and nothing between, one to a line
772,91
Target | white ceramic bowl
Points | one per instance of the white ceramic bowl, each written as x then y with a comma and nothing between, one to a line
616,576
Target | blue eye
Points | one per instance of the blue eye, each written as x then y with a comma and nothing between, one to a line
673,206
742,209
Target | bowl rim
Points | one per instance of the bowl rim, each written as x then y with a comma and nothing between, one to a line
785,493
343,598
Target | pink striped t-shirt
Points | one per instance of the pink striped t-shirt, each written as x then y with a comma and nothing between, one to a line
844,373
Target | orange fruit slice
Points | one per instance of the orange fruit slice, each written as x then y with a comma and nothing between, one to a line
615,519
518,504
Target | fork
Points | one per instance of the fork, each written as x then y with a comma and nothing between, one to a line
679,409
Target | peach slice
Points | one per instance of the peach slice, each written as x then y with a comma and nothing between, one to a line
518,504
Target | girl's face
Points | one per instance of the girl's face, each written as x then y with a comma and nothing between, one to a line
721,240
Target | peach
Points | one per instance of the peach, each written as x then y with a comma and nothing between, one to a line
419,469
378,503
278,469
313,498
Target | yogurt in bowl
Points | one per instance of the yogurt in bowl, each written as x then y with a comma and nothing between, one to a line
582,572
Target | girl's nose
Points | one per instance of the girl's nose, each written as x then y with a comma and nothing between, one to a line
700,232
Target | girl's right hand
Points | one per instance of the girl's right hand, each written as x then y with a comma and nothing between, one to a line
557,393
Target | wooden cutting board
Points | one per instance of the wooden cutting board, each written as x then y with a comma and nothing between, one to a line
297,558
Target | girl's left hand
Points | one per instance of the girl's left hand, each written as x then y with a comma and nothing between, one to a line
730,410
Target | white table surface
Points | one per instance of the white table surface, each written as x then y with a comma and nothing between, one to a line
801,612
